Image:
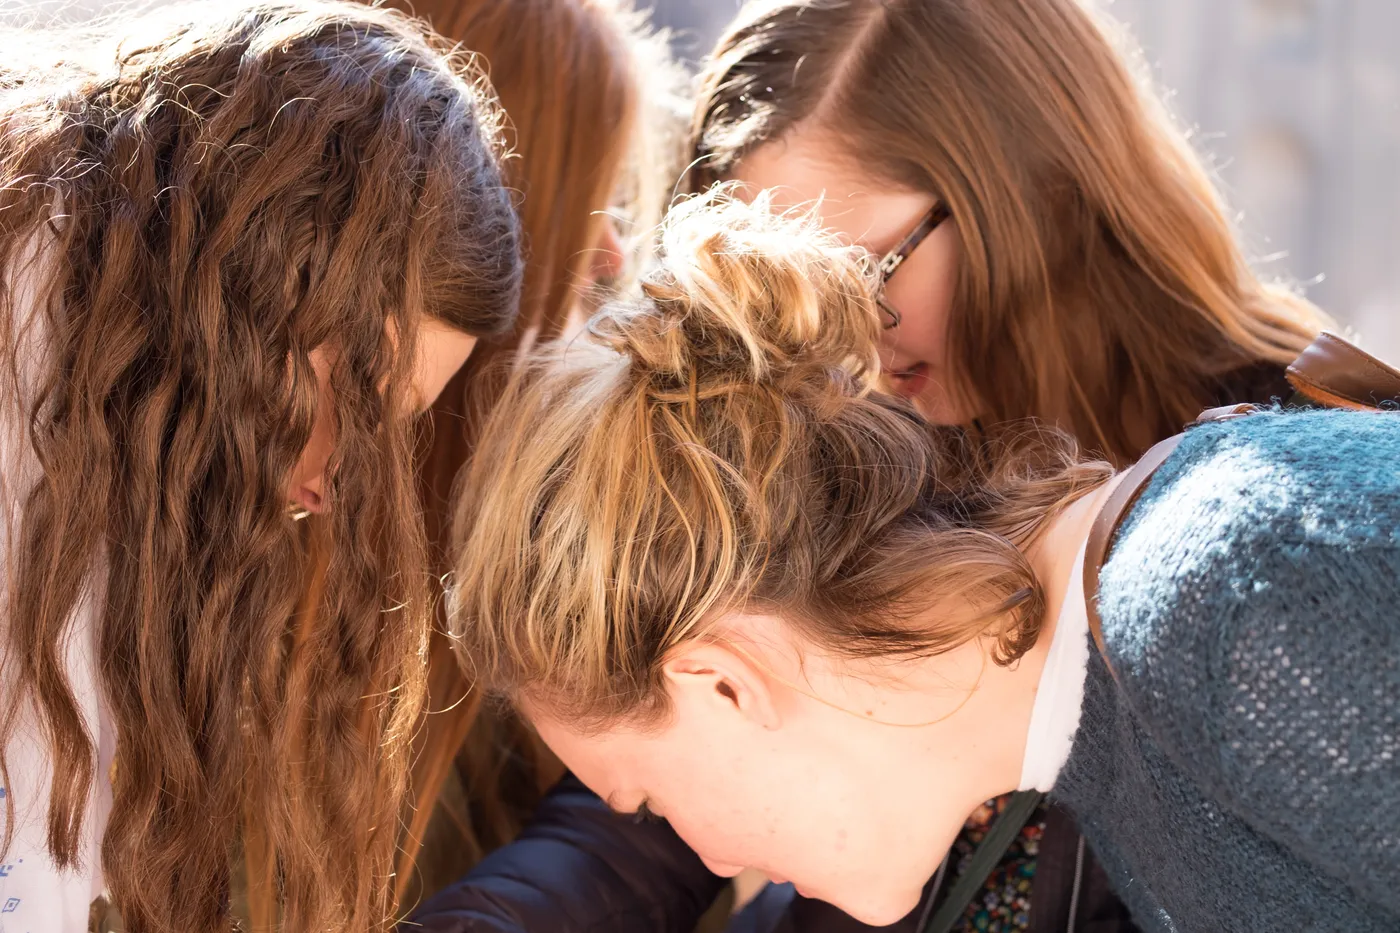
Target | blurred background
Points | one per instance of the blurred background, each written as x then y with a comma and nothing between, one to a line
1297,105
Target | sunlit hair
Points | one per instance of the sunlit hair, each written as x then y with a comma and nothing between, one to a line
720,443
595,123
214,193
1100,284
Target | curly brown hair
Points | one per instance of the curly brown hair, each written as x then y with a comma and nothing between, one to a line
215,195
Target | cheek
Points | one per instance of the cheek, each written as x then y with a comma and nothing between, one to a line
790,810
728,796
923,290
716,797
834,815
441,353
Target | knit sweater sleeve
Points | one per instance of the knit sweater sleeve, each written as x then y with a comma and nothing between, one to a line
1254,599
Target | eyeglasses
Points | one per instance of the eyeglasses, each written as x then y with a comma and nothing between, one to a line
895,257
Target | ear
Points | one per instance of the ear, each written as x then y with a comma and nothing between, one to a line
713,674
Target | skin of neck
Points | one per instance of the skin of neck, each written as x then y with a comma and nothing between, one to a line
991,727
849,776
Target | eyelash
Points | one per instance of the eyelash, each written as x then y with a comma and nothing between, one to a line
643,814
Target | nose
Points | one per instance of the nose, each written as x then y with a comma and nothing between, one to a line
721,869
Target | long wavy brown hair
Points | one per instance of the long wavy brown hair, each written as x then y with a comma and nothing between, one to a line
595,124
1101,285
217,192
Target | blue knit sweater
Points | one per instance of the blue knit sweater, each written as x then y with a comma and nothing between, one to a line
1243,774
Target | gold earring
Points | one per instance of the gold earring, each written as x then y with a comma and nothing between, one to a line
297,512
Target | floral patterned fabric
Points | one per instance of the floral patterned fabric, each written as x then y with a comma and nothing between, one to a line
1004,903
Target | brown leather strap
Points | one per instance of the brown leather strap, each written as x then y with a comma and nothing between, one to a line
1122,499
1336,374
1225,413
1106,526
1330,372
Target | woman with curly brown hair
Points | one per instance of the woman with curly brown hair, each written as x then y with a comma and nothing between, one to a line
242,249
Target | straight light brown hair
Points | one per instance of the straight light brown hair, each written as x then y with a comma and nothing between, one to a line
1100,283
216,192
721,443
593,128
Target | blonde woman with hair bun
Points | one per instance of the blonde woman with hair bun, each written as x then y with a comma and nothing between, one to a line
737,585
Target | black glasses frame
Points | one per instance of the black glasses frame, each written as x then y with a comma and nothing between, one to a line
892,260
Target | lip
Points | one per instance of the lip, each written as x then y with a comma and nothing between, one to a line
910,381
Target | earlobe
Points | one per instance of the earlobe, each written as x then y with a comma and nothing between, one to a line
715,675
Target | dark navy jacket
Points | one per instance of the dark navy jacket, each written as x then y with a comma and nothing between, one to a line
577,868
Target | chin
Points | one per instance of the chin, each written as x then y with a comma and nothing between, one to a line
938,408
882,911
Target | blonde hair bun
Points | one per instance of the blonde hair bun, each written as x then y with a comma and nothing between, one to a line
720,445
740,291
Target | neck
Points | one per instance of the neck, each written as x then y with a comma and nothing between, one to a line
1053,553
995,723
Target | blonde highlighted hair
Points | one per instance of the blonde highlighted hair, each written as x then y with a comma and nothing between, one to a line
722,442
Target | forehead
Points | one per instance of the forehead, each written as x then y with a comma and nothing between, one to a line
803,170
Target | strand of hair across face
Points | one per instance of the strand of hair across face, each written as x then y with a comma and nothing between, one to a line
981,672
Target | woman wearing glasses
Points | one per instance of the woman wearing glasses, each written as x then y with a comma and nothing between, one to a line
1051,247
